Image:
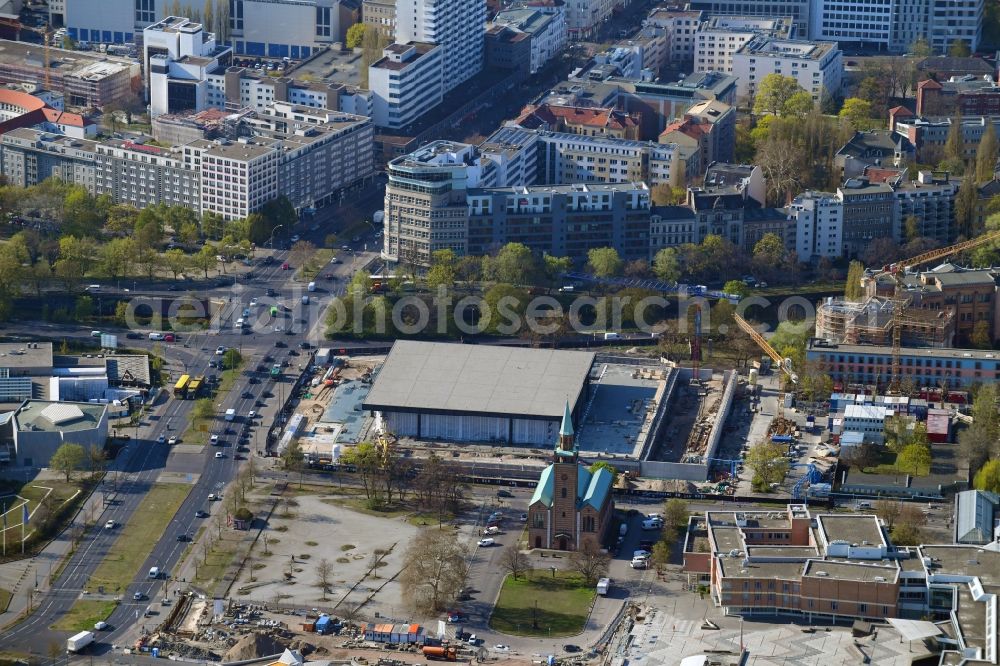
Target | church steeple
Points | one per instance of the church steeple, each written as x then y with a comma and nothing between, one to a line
567,438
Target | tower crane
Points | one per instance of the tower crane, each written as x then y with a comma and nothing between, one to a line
784,363
896,271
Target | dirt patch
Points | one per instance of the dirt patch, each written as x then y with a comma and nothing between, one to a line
253,646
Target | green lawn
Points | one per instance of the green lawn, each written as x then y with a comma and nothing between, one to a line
218,559
138,536
563,604
84,614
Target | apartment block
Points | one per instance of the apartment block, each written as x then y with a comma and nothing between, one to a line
381,15
640,57
817,67
561,220
718,38
819,225
800,11
853,22
681,28
929,203
709,127
929,134
967,95
406,83
574,158
267,28
457,26
585,17
543,28
308,155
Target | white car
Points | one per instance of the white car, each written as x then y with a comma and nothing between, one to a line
652,524
110,525
220,454
220,350
161,439
644,554
252,414
100,626
485,543
213,497
278,328
639,563
253,302
214,439
173,440
501,648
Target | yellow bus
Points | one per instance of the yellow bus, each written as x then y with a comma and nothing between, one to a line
181,387
195,386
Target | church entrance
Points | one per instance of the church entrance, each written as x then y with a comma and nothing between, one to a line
562,543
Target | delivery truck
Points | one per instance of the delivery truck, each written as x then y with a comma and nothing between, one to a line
79,641
230,415
603,586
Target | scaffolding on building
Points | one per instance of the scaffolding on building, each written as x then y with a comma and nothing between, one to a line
870,322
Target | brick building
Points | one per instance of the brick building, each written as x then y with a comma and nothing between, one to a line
571,506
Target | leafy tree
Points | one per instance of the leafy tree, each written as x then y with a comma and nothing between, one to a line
966,201
604,262
84,309
355,34
853,289
959,48
604,464
914,459
555,267
590,562
981,335
908,530
205,259
176,261
665,265
768,463
667,195
116,257
81,214
988,477
442,271
203,408
773,92
675,513
505,305
737,288
859,457
514,264
986,154
954,145
856,112
75,257
122,218
798,105
921,48
67,459
769,249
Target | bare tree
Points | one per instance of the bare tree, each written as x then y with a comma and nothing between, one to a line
323,572
513,561
435,570
888,510
376,560
590,562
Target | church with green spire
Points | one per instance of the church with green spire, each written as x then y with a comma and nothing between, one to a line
571,505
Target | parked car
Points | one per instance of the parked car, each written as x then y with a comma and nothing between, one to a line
110,525
486,543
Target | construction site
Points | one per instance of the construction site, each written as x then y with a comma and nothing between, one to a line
870,322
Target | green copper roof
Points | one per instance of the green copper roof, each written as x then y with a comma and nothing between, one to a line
543,491
566,430
591,488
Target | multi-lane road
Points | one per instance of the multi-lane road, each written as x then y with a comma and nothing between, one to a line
141,463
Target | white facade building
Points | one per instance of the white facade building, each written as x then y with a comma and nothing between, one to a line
584,17
267,28
721,36
681,27
179,54
545,25
868,420
819,225
406,83
458,26
856,21
817,67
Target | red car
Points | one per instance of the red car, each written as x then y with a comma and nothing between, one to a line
169,337
285,266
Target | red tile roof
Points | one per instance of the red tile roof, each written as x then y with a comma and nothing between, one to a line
688,126
62,118
533,117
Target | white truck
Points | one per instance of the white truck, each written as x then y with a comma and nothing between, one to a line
603,586
78,642
230,415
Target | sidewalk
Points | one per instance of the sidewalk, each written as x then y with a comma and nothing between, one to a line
22,577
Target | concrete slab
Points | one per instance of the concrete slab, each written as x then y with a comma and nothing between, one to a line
617,411
345,408
178,477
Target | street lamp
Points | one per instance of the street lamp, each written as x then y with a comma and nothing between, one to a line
273,231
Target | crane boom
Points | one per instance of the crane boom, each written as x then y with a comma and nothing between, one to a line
897,270
940,253
784,363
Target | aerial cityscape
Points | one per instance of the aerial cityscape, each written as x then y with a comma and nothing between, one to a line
517,332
